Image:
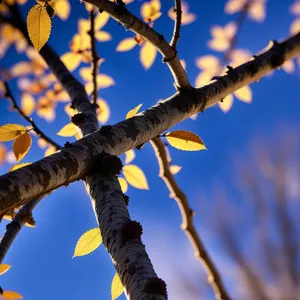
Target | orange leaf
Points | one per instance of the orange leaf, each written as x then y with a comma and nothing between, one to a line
22,145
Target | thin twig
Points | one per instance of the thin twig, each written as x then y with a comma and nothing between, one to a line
134,24
95,57
187,214
37,130
177,24
14,227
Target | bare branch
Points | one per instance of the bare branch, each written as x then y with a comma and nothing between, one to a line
177,24
13,228
131,22
74,162
187,225
94,56
37,130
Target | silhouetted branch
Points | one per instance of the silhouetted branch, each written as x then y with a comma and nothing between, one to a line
131,22
36,129
177,24
95,56
187,225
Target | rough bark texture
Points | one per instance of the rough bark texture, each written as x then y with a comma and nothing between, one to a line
74,162
127,251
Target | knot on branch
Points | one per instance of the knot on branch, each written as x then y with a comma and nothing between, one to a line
166,59
156,286
132,230
109,165
78,119
13,223
27,217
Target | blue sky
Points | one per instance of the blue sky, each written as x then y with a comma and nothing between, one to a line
41,258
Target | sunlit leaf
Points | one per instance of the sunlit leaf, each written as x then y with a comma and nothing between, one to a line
27,104
9,132
126,45
288,66
133,111
123,184
19,166
22,145
135,177
10,295
226,103
68,130
4,268
62,8
244,94
175,169
185,140
102,36
71,60
101,20
117,288
39,26
147,55
21,68
129,156
3,152
103,111
88,242
50,150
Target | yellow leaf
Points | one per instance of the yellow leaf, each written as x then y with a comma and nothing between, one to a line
244,94
22,145
129,156
3,152
135,177
38,26
226,103
11,295
104,81
123,184
103,112
70,111
50,150
22,68
71,60
19,166
175,169
288,66
185,140
101,20
126,45
9,132
88,242
147,55
295,26
68,130
117,288
62,9
4,268
102,36
27,104
133,112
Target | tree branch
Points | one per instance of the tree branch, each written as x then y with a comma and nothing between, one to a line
75,161
94,56
73,87
36,129
187,225
177,24
121,236
131,22
13,228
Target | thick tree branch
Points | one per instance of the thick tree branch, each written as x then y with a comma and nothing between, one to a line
177,24
187,225
75,161
36,129
131,22
122,237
